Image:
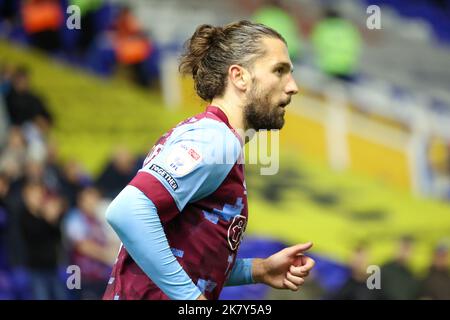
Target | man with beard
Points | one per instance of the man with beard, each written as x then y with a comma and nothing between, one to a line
182,217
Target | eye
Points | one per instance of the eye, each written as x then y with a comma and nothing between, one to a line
279,71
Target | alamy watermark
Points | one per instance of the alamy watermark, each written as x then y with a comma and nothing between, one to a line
74,279
374,280
73,22
374,19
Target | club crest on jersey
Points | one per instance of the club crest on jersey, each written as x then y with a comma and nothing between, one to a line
182,159
236,231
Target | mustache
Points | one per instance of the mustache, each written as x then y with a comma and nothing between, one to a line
285,102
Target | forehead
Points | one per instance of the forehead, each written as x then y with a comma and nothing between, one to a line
275,52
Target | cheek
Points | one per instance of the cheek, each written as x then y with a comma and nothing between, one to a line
276,91
271,93
268,92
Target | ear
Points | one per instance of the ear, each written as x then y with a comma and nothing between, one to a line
238,77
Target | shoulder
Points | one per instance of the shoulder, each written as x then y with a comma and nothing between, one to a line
205,140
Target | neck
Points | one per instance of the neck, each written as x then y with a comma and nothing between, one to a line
234,112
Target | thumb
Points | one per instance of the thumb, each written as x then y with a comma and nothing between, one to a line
299,248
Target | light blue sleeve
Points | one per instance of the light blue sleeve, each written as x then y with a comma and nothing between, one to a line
135,220
241,273
195,160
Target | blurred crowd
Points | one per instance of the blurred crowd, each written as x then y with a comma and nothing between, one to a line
104,37
396,281
111,38
51,216
360,279
51,213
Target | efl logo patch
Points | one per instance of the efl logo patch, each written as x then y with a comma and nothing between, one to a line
236,231
194,154
182,160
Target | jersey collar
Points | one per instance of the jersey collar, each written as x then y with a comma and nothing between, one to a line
223,117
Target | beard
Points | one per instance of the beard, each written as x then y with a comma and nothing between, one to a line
261,114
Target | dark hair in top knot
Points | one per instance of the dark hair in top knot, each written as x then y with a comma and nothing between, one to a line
211,50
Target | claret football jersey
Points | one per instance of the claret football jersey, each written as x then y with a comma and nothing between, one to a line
194,175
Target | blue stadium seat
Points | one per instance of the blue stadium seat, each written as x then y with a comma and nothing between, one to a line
330,274
21,284
6,286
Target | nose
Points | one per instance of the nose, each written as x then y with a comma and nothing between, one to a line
291,86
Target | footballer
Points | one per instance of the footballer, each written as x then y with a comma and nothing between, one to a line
182,217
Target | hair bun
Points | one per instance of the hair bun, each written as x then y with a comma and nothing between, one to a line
197,47
211,50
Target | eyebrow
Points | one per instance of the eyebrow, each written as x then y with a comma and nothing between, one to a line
284,65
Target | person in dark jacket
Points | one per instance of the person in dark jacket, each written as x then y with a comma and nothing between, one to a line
117,173
40,222
22,104
437,282
397,280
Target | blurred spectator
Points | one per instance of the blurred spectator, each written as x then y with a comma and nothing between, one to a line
22,104
8,10
34,171
117,173
40,219
276,17
437,283
6,76
53,173
31,171
88,30
42,20
88,244
3,123
73,181
397,281
13,155
8,15
355,288
28,111
337,46
4,186
127,45
132,46
35,134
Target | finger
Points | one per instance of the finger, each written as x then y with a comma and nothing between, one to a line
307,264
297,271
289,285
299,248
298,281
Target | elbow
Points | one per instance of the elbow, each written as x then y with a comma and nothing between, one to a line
113,215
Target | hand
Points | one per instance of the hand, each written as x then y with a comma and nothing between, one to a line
201,297
285,269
